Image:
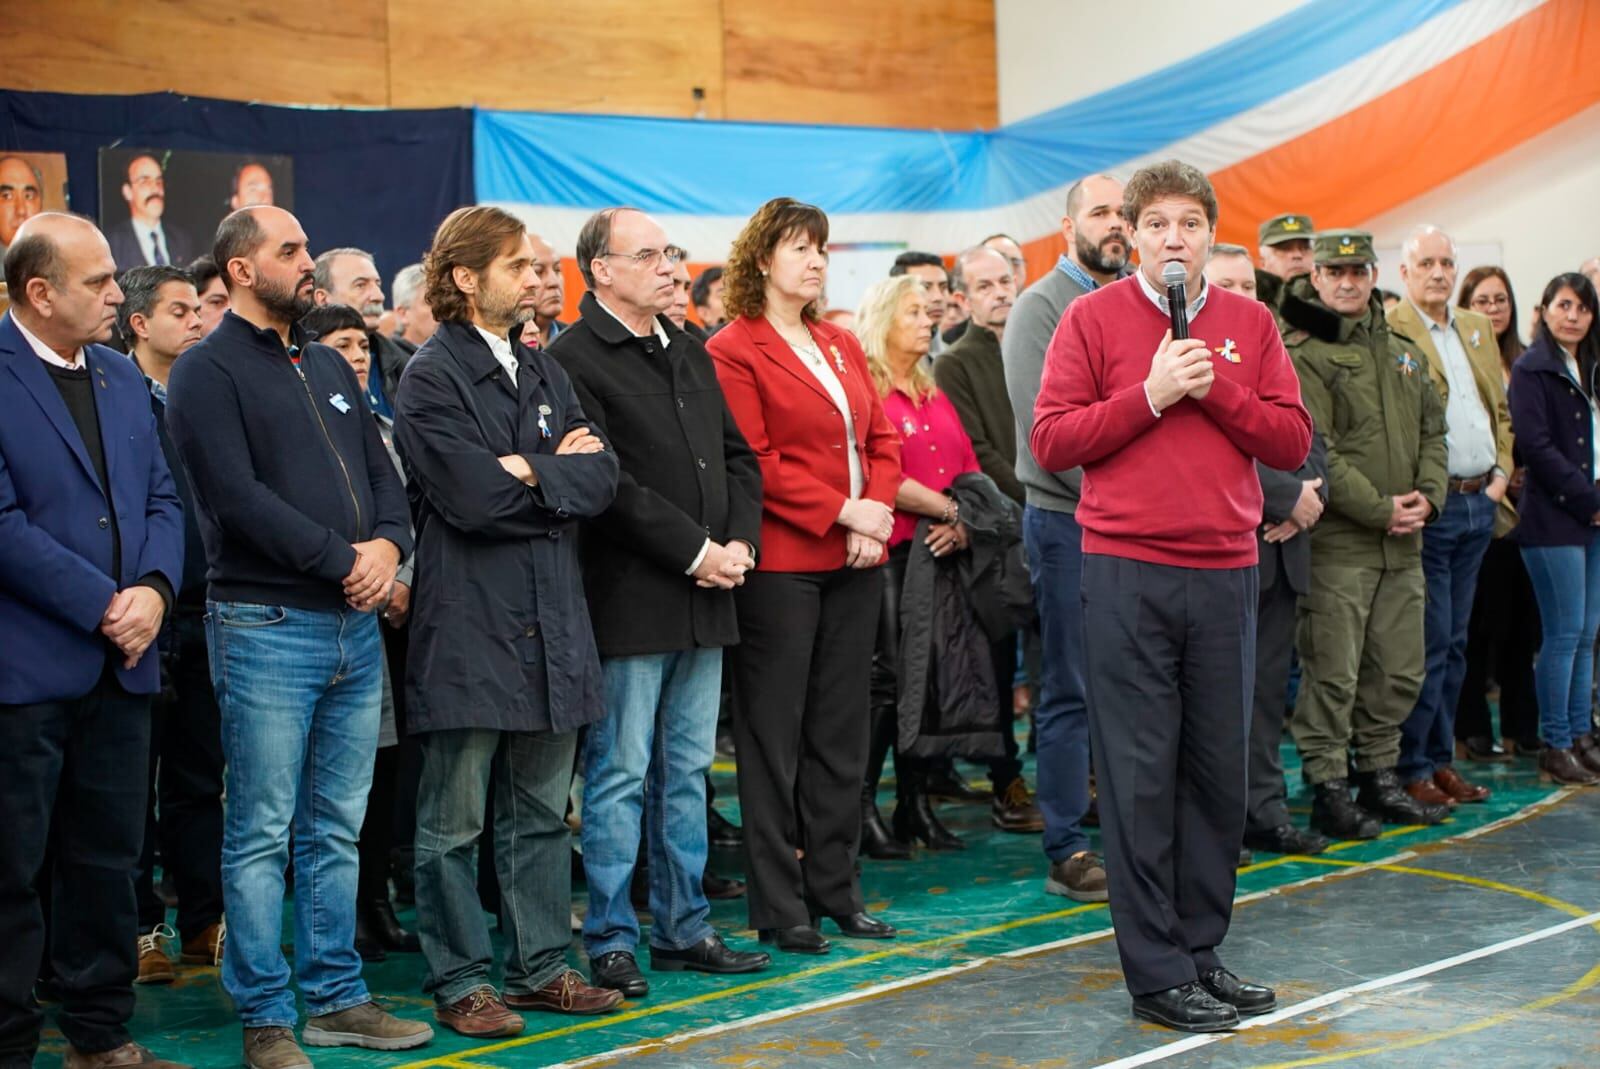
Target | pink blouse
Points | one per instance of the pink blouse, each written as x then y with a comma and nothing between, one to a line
934,449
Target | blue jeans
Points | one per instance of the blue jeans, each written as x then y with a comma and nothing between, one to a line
532,771
299,693
1452,552
1566,582
1061,717
649,756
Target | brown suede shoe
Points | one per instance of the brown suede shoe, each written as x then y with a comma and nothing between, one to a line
124,1057
568,993
1424,791
154,965
273,1047
481,1014
1449,781
366,1025
206,948
1081,877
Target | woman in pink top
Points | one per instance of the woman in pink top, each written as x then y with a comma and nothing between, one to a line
895,328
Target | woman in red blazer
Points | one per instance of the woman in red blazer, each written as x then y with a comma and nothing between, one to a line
830,464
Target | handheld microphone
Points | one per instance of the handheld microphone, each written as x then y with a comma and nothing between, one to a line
1176,279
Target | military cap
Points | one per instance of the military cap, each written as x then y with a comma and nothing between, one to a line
1289,227
1343,247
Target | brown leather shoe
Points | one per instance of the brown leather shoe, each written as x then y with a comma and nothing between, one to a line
568,993
124,1057
1563,767
481,1014
154,965
206,948
1587,750
1425,792
1013,809
1448,780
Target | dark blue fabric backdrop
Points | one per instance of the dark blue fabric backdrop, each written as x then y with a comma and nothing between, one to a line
381,180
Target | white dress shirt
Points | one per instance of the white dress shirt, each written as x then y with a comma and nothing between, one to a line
148,237
1469,436
47,354
1159,299
501,348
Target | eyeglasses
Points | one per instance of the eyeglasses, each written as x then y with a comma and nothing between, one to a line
1497,300
649,257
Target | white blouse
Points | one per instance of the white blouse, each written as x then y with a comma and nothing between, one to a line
811,356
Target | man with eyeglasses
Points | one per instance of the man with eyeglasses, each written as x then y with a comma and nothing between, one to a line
680,535
145,239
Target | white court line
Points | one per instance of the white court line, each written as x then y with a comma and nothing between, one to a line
864,993
1162,1053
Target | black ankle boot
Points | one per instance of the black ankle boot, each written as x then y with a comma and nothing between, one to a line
915,819
1336,816
1382,794
876,842
368,945
382,923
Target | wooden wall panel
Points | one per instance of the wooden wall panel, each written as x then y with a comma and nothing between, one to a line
886,63
609,56
283,51
914,63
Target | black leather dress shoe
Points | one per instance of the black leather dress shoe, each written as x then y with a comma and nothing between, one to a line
858,926
1248,999
797,939
721,832
1188,1007
620,972
946,783
720,888
711,954
1286,839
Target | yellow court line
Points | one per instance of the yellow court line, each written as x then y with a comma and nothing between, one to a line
1572,990
1471,881
900,950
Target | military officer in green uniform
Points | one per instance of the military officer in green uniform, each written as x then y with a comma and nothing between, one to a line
1284,244
1360,629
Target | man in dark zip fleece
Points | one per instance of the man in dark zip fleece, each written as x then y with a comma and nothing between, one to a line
304,520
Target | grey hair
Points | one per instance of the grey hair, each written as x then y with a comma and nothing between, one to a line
322,270
1409,249
407,287
958,273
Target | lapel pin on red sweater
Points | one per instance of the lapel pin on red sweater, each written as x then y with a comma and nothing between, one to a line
1229,352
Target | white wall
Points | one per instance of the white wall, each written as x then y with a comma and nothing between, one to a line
1540,202
1050,52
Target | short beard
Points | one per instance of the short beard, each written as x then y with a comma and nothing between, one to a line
1094,260
284,302
507,311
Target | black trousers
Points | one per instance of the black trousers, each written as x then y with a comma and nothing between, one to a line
186,776
802,669
73,779
1502,638
1170,669
1275,623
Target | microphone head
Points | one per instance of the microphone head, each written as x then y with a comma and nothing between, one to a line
1174,275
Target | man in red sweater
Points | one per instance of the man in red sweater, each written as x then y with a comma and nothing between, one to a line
1167,433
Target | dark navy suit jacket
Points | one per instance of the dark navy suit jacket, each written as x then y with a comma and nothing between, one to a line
55,523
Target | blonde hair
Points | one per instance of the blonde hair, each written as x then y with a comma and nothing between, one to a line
874,319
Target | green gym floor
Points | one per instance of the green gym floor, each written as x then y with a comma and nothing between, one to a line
1472,942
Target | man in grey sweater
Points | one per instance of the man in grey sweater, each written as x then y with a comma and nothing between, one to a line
1097,253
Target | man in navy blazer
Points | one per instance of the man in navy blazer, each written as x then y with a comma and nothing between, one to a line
91,556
